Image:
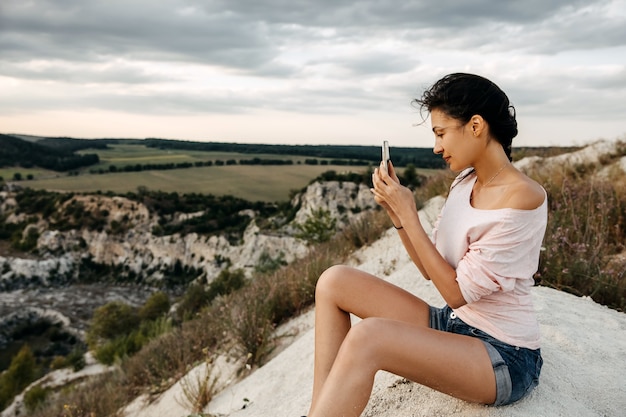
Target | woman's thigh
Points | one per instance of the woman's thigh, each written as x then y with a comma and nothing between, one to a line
365,295
457,365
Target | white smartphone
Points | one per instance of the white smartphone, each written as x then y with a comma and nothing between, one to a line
385,158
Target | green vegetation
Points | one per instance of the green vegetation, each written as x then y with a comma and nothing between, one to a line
52,346
28,154
318,227
118,330
21,372
248,182
422,157
252,172
121,155
199,296
35,397
156,306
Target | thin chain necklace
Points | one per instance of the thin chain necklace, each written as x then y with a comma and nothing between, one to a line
490,179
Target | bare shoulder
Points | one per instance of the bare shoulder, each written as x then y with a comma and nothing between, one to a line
525,193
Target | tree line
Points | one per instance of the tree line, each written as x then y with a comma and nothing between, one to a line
15,151
402,156
59,153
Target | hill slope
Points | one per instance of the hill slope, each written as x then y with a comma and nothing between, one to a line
584,346
15,151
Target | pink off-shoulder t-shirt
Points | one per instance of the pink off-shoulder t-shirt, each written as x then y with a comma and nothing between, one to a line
495,254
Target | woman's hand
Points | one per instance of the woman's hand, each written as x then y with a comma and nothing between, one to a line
391,195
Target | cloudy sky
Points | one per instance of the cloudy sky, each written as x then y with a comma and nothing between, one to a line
305,71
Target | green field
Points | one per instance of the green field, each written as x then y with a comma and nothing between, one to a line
253,183
7,173
250,182
122,155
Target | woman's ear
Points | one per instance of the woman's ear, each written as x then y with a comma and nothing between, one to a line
478,125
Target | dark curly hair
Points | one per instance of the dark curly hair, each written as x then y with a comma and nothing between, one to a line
462,96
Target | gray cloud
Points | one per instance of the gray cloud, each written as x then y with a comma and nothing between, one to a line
93,31
301,46
245,34
406,14
113,73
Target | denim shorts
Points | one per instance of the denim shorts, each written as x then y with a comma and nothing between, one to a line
517,369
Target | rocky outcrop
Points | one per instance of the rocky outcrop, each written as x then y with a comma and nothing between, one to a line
138,251
55,278
342,199
596,153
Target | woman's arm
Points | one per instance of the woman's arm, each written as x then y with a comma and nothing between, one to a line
408,245
400,204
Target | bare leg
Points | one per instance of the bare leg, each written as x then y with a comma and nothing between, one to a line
394,336
342,290
454,364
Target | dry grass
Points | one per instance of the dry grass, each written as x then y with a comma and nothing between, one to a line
585,234
199,387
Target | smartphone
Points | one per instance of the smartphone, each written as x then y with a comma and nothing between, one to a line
385,158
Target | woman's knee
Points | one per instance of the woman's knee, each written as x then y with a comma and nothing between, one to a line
330,281
359,353
361,342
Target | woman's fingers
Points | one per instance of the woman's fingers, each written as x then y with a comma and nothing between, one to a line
392,172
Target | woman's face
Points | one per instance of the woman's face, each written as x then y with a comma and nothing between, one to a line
453,140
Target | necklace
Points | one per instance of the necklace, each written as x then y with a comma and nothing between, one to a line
494,175
489,181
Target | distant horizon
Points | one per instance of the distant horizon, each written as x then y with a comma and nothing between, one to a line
286,144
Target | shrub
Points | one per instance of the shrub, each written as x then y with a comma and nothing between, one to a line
198,296
21,372
366,229
267,264
125,346
192,301
318,227
411,178
30,240
179,276
113,349
35,397
156,306
199,386
110,321
76,359
249,323
167,357
226,282
58,362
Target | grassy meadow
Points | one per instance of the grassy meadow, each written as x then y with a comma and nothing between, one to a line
251,182
121,155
